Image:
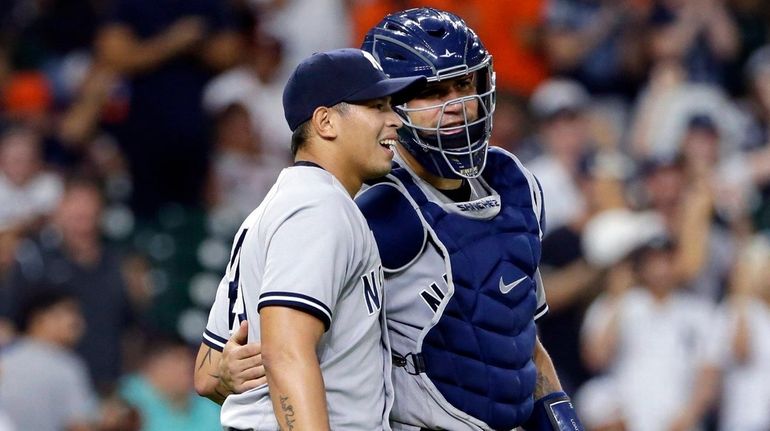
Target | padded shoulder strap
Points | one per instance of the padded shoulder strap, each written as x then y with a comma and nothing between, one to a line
534,185
397,228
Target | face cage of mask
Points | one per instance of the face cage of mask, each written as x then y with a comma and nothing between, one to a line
470,148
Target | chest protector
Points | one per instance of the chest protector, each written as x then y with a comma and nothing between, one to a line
478,350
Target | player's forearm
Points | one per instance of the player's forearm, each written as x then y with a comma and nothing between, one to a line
547,380
214,390
207,381
552,406
289,339
297,393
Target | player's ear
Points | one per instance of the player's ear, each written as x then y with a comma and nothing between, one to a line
323,123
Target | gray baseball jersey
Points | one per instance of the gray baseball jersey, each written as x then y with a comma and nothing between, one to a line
308,247
418,291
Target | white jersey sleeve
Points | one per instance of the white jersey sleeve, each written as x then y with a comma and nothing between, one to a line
217,328
308,275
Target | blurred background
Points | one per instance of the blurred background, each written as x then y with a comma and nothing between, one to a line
135,136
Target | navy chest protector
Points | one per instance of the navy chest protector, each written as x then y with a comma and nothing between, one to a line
479,353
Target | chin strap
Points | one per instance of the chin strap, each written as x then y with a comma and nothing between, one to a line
554,412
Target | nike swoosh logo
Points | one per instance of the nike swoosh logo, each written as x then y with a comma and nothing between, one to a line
505,288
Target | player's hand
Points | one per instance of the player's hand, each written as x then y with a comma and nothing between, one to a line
241,367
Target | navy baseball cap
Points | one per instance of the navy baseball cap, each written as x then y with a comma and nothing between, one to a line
341,75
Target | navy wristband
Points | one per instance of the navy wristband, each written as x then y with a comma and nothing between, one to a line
553,412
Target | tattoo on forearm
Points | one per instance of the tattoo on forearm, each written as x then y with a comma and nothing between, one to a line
288,412
206,358
543,385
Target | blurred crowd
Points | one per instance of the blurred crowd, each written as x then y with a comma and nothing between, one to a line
135,135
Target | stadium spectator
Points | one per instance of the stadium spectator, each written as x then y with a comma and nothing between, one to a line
168,50
571,280
655,343
72,256
304,27
560,105
162,391
28,191
700,34
257,85
598,43
744,337
44,384
242,172
681,191
757,144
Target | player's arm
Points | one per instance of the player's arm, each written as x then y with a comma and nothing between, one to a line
236,369
289,339
207,380
553,410
547,380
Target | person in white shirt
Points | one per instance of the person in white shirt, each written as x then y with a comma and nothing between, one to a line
743,333
655,343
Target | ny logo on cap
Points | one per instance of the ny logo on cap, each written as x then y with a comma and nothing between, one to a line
373,61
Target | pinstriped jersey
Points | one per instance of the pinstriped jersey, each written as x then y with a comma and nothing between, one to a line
308,247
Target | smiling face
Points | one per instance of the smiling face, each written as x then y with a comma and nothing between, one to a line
367,134
425,110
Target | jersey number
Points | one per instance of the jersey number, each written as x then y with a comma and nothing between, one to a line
236,305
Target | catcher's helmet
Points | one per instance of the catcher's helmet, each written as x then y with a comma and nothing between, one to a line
440,46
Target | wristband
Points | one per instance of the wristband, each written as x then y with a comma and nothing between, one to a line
553,412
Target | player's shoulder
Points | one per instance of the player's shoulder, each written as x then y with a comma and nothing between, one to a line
302,187
503,163
501,158
395,222
307,195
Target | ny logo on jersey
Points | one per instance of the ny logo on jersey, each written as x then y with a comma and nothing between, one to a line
433,297
372,283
